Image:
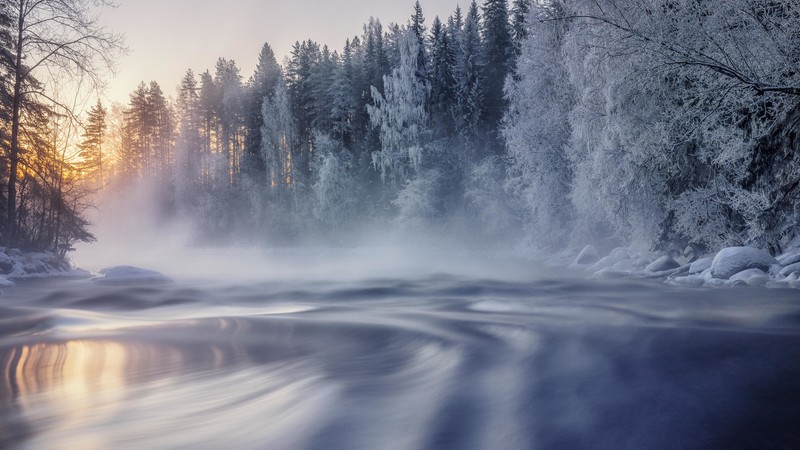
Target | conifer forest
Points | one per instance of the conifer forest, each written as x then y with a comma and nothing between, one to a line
664,123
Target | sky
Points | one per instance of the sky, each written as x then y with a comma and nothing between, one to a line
167,37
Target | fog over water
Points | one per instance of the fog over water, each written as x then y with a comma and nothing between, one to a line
415,347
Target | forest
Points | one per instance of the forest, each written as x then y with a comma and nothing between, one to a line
544,124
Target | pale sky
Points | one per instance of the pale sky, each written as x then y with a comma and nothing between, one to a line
167,37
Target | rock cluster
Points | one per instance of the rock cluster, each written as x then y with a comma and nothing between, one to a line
732,266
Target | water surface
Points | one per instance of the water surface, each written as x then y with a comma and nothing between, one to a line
417,360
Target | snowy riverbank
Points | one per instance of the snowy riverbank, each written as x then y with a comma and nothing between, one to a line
16,266
732,266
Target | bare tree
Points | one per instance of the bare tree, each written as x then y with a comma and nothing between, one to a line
47,39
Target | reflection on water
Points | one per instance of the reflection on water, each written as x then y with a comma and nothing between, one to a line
416,363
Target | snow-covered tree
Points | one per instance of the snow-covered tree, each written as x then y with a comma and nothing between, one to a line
277,135
537,132
401,116
334,187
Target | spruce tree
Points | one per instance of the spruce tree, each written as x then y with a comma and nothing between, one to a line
261,85
469,68
91,147
417,27
498,49
442,79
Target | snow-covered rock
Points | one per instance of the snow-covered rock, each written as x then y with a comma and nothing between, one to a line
751,277
6,264
620,253
5,282
790,269
732,260
687,281
628,265
588,255
662,264
129,274
789,258
701,265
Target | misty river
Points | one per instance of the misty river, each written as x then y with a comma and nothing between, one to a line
337,350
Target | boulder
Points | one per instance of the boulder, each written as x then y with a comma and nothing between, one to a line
6,264
5,282
662,264
790,269
751,277
620,252
588,255
789,258
732,260
701,265
130,275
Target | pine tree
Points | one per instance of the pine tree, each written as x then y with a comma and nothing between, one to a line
91,147
188,154
519,28
442,79
304,58
343,93
417,26
262,84
469,68
497,52
228,80
161,126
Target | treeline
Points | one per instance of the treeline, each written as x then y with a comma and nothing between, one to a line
49,50
392,125
662,122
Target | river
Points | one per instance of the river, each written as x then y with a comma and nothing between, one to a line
449,353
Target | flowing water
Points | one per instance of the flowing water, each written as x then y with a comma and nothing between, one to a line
500,356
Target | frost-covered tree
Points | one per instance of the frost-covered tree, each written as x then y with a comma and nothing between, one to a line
335,189
401,116
277,136
537,132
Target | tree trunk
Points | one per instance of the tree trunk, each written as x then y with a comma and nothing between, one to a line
16,105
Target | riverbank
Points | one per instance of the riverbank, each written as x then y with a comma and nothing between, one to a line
731,266
16,265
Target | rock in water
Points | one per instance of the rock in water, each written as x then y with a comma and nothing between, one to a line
128,274
588,255
662,264
732,260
